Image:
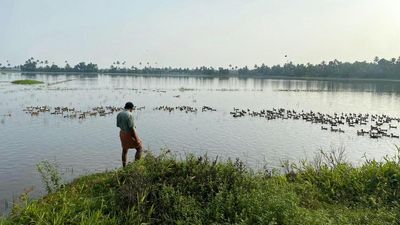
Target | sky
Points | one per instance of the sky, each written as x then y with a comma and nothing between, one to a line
189,33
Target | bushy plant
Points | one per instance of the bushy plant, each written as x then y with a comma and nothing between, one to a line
50,174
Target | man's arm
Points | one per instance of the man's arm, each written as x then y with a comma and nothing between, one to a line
133,131
136,137
134,134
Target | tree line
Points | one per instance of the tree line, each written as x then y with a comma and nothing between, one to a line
378,68
32,65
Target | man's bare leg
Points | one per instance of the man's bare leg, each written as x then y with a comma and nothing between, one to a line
138,154
124,156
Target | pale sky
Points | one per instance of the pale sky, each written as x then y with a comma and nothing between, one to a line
203,32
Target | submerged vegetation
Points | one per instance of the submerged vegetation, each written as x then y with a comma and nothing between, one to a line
27,82
197,190
377,69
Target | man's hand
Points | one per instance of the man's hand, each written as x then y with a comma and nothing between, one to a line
139,142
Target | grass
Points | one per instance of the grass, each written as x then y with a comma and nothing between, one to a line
27,82
197,190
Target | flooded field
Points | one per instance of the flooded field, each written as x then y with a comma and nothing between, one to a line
186,115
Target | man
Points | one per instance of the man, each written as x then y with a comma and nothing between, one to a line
127,134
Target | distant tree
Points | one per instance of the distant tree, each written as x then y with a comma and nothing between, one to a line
29,65
378,68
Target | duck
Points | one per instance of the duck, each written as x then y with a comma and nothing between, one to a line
334,129
374,134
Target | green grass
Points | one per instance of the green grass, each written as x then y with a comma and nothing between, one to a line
197,190
27,82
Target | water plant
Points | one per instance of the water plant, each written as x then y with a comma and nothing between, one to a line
27,82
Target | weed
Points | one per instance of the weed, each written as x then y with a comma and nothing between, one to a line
50,174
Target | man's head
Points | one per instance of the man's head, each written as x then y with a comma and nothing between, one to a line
129,106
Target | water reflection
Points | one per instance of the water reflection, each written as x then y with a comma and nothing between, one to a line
212,83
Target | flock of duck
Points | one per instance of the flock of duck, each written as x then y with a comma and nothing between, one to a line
375,126
186,109
68,112
372,125
72,113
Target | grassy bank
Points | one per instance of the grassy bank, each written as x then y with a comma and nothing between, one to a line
197,190
27,82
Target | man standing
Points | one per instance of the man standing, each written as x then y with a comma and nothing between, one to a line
127,134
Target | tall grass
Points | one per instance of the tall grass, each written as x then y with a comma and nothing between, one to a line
200,190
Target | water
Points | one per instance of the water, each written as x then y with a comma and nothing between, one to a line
90,145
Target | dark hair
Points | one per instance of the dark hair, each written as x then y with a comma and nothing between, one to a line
129,105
